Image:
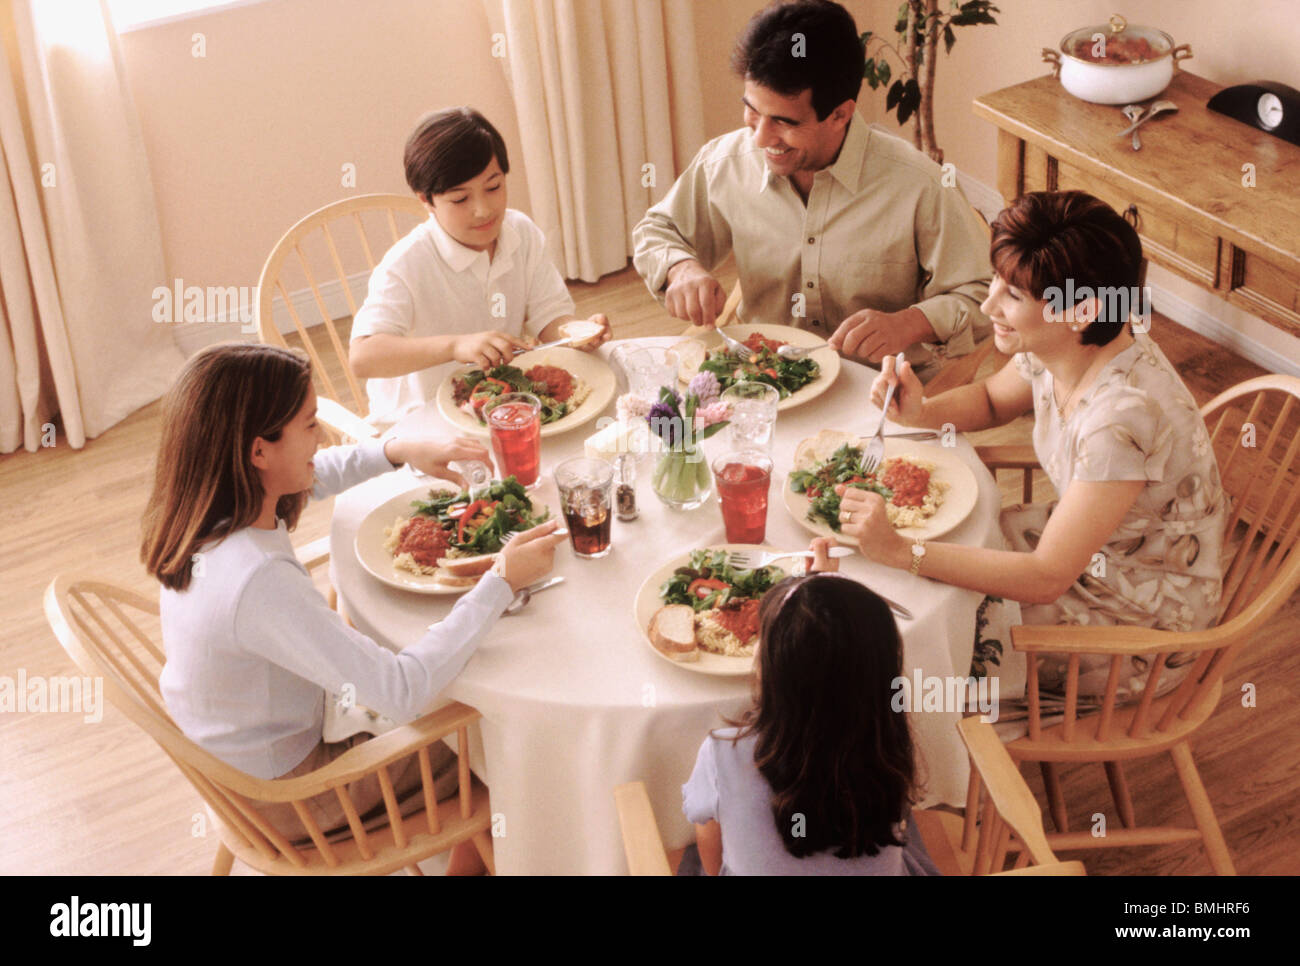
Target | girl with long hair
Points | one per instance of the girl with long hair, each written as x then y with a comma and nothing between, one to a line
818,777
253,649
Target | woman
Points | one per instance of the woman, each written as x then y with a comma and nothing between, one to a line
253,650
1135,536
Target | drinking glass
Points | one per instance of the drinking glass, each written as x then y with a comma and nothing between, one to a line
586,490
648,369
753,415
743,479
515,428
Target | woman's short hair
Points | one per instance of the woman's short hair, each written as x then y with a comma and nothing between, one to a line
830,742
448,148
807,44
205,485
1052,243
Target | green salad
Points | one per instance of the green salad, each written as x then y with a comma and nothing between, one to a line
819,483
477,525
765,365
472,390
710,581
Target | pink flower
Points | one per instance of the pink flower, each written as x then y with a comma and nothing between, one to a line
712,413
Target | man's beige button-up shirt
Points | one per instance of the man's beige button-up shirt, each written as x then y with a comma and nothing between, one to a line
879,230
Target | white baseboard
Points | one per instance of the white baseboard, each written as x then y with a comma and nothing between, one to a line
988,201
192,336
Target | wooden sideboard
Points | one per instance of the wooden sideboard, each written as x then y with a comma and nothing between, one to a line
1188,191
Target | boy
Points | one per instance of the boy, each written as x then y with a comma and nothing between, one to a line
470,284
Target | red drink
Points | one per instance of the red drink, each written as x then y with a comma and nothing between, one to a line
515,428
743,481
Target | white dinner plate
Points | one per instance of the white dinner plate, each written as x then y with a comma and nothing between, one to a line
379,562
958,500
827,358
648,602
590,368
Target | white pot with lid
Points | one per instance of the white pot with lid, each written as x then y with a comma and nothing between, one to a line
1116,63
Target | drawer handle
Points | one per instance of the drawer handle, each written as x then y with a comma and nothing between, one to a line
1132,217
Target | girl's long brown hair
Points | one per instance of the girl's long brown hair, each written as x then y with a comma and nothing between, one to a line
837,755
205,485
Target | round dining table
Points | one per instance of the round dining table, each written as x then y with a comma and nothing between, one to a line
574,701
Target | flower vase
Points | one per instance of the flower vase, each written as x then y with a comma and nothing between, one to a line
681,478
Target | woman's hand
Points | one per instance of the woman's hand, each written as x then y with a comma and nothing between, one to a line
431,456
486,349
906,406
863,516
823,563
529,557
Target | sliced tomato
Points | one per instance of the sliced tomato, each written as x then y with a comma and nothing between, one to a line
813,492
770,372
701,587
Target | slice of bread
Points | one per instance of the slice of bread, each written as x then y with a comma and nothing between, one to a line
581,331
690,353
672,631
821,447
467,566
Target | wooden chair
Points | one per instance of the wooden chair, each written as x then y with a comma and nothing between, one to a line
957,847
1263,483
341,404
348,257
102,627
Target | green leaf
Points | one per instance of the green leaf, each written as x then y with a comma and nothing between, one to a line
869,73
900,27
865,39
910,100
949,38
882,73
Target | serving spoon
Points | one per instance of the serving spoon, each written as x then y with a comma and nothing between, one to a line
1133,112
1159,107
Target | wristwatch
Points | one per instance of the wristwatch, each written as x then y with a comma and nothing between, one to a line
918,556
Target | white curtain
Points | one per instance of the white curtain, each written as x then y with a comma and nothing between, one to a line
80,246
609,107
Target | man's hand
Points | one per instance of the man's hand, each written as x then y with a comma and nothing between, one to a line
529,557
693,294
431,456
486,349
872,335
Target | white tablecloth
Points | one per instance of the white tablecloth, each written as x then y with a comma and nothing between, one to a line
573,700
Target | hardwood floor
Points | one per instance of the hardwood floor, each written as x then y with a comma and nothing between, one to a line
101,798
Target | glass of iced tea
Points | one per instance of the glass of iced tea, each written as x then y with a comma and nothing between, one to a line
586,491
743,480
515,428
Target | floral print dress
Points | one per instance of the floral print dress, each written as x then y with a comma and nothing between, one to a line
1161,567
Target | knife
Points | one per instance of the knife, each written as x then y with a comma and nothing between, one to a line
545,345
524,596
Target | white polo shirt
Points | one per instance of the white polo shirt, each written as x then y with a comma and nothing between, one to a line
430,284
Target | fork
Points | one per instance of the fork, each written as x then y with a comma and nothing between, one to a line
735,346
748,560
874,451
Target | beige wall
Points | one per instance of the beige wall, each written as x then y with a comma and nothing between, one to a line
251,137
246,140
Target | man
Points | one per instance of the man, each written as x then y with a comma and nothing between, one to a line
836,228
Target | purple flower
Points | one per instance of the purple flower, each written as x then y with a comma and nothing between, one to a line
705,386
665,421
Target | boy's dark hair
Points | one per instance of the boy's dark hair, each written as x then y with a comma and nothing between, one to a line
448,148
827,56
1046,238
829,742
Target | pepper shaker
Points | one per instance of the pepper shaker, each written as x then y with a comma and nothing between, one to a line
625,486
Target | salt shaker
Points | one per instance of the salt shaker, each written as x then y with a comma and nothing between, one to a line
625,486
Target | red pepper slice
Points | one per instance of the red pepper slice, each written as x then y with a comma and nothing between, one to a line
706,585
469,514
771,372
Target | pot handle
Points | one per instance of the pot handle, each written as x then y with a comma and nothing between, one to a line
1053,57
1182,52
1117,24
